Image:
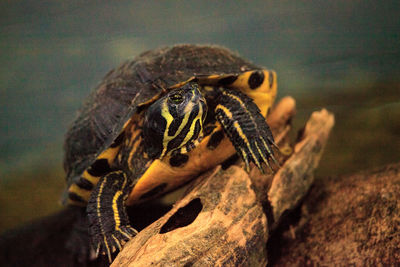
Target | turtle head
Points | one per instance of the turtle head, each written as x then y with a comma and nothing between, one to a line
175,121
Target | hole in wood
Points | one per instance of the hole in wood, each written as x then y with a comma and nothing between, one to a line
183,217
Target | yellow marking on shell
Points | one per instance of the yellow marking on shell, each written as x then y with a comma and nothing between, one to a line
150,101
212,79
126,124
92,179
264,95
83,193
242,80
109,154
215,77
178,85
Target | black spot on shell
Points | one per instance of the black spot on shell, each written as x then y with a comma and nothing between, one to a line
75,197
99,168
215,139
270,79
178,160
155,191
256,79
183,216
227,80
84,184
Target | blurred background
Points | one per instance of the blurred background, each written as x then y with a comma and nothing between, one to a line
342,55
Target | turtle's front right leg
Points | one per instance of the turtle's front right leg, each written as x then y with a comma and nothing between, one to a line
108,220
246,128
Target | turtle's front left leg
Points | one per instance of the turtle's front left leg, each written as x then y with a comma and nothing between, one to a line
108,220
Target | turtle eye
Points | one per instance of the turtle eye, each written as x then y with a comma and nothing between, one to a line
176,98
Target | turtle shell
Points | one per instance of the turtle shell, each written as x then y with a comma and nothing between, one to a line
136,81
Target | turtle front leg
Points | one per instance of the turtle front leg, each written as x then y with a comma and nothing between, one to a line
247,129
108,220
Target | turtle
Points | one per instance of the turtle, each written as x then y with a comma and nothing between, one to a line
154,123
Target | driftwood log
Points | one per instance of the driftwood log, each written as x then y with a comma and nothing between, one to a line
221,219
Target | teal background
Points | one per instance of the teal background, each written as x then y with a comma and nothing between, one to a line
341,55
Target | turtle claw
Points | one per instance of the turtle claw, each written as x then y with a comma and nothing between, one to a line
258,150
110,243
108,220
